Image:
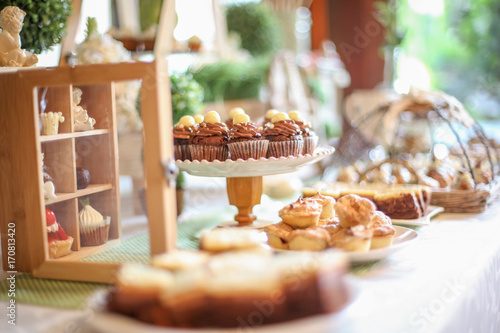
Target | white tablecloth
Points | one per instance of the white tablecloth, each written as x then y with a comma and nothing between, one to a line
446,281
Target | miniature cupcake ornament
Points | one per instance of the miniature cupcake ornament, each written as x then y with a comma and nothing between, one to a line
182,132
94,228
285,137
209,142
310,138
246,140
11,54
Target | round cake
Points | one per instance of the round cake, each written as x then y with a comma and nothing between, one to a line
209,142
246,140
285,137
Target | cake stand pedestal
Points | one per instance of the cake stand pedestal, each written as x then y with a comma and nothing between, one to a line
244,179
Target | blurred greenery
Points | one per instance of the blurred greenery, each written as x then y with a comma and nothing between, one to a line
149,13
257,26
461,48
187,96
230,80
44,23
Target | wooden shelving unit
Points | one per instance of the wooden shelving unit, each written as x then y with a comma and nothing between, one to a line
27,93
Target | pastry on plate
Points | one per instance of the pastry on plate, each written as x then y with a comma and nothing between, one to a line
230,239
353,210
310,239
353,239
278,235
302,213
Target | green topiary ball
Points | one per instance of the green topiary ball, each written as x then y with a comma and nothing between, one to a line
187,96
256,25
44,24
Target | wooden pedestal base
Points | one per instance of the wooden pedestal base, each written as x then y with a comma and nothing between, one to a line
244,193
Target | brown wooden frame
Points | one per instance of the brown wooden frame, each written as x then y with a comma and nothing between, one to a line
21,179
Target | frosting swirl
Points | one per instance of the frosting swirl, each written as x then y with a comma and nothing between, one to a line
305,127
283,128
216,129
183,132
245,130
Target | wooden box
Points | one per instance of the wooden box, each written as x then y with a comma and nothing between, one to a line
23,95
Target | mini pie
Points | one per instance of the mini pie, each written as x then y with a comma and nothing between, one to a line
301,214
327,202
310,239
278,235
357,238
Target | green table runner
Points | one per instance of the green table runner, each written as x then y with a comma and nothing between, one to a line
73,295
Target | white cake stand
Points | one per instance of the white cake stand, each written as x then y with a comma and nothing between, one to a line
244,178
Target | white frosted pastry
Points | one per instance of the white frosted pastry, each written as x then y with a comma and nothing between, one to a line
90,219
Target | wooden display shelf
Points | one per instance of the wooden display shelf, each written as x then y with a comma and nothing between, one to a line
86,251
91,189
64,136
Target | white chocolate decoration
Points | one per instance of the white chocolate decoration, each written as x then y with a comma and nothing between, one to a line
295,115
198,119
241,118
270,113
235,111
212,117
186,121
49,191
50,122
279,117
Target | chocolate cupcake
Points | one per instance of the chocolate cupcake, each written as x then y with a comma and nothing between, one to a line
232,114
285,137
310,138
209,142
246,140
182,132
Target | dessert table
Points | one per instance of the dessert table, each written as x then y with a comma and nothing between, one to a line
448,280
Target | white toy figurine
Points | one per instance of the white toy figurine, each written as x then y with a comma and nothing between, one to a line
82,120
11,54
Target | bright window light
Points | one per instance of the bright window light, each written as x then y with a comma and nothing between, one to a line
427,7
412,73
195,17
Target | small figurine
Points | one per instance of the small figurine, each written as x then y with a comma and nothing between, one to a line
49,190
50,122
11,54
82,120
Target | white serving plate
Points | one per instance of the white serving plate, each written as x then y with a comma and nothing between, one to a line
107,322
402,238
252,167
424,220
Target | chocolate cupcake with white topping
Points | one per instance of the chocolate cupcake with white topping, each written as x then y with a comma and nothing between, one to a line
310,138
246,140
182,132
285,137
232,113
209,142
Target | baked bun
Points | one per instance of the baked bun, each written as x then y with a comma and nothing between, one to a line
326,202
310,239
230,239
353,210
302,214
353,239
278,235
